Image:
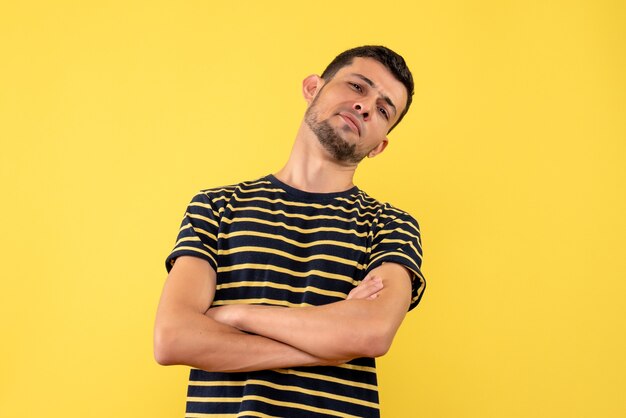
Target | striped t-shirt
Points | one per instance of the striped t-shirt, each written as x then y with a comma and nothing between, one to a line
275,245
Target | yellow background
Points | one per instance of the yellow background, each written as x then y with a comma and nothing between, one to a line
113,114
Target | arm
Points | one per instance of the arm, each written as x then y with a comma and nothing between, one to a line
346,329
184,335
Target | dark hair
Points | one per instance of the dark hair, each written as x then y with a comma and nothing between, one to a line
392,61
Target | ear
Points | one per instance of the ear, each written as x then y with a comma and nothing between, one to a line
310,87
379,148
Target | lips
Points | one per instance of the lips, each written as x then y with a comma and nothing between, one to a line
352,121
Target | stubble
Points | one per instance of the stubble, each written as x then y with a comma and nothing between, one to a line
340,149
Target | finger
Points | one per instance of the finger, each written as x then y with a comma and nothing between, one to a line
366,285
367,278
365,290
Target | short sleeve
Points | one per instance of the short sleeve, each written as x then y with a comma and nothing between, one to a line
197,236
397,239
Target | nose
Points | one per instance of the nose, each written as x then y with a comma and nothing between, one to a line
362,110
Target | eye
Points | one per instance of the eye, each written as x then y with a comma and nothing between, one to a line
356,87
384,112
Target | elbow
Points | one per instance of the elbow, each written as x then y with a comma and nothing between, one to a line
165,352
376,343
377,347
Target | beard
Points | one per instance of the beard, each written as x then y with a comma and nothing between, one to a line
340,149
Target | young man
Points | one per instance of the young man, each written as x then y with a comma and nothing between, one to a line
282,290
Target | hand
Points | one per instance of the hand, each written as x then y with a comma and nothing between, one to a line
368,289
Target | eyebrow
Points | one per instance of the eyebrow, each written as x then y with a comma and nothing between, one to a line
372,85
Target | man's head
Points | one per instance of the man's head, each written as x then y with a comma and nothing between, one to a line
356,102
392,61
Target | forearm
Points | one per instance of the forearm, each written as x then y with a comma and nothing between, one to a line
198,341
184,335
345,329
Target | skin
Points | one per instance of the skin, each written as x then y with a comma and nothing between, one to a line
185,335
347,329
310,166
353,111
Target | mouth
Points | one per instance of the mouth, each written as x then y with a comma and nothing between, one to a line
352,122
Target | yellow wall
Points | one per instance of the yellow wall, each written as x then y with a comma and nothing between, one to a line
112,114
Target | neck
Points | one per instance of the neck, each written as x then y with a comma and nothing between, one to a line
311,169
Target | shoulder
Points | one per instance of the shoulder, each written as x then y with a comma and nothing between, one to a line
222,194
395,214
387,213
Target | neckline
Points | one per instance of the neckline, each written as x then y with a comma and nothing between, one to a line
301,194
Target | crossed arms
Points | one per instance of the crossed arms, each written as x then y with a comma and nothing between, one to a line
237,338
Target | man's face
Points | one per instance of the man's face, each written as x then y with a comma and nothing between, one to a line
351,113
